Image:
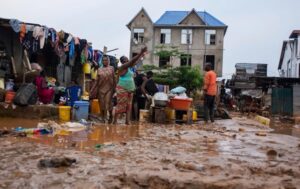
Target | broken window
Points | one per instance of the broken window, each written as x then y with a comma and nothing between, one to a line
209,59
186,60
186,36
165,36
164,61
138,35
210,37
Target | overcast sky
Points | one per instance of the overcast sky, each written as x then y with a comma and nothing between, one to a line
256,28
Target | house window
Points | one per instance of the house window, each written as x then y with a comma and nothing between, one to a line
186,36
210,37
138,35
165,36
209,59
185,60
164,61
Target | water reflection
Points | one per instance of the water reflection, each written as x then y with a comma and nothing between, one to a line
89,140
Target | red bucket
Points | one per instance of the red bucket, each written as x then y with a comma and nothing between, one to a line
9,97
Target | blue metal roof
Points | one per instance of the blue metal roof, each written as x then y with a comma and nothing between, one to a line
175,17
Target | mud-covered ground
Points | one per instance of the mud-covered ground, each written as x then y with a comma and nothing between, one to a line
227,154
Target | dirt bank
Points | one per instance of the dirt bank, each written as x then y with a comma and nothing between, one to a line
227,154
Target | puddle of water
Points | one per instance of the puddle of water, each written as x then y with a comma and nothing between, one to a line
285,129
9,123
84,140
95,139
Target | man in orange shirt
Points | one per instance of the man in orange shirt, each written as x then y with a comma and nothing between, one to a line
210,91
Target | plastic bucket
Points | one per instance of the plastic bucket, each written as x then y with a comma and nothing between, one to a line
95,108
195,116
180,104
86,68
9,97
93,74
81,110
170,113
64,113
144,115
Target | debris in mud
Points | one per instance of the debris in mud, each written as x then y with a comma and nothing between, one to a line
272,153
211,140
261,134
189,166
241,130
56,162
6,132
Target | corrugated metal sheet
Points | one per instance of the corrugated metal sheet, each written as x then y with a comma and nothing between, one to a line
282,101
174,17
296,100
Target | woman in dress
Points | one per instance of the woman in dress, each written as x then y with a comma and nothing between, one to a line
104,88
126,86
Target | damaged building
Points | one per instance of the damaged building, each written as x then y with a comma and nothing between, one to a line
198,36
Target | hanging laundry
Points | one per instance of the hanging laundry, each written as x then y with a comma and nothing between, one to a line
52,35
59,50
72,51
61,35
83,58
67,75
76,39
28,40
22,32
15,24
60,71
90,53
29,28
46,30
35,45
39,33
83,44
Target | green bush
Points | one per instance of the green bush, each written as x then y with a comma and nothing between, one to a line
185,76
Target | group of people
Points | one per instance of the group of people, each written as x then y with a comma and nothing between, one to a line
122,86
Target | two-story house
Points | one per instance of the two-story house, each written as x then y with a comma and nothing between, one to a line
289,63
198,36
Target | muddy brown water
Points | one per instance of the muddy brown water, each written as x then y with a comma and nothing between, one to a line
285,128
93,139
101,135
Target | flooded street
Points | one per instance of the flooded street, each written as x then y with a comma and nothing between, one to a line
228,154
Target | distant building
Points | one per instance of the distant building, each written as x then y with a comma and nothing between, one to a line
289,63
197,35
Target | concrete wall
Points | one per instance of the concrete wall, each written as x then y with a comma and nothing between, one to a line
143,21
197,49
291,55
13,46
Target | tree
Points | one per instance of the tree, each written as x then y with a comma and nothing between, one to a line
185,76
163,51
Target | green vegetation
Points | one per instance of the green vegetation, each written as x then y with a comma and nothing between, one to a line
186,76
